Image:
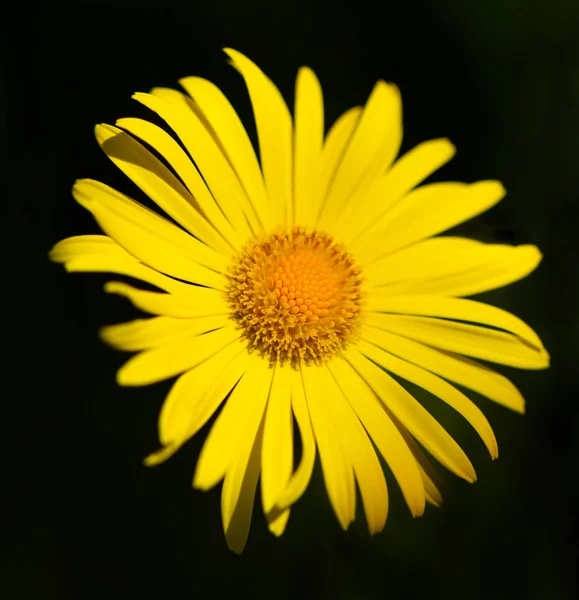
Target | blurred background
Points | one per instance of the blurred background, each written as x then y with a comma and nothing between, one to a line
81,517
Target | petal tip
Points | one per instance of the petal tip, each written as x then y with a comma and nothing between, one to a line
122,378
538,253
141,97
104,132
130,376
417,510
467,473
449,147
164,453
79,191
491,189
188,80
305,71
230,51
234,56
500,190
239,61
150,460
54,255
235,545
547,359
197,484
278,524
113,287
103,334
202,482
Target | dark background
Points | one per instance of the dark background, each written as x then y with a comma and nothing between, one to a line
81,518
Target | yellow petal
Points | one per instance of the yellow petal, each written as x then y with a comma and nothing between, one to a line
308,141
176,97
101,254
197,394
187,107
81,245
111,205
424,212
277,448
162,187
457,309
239,420
200,196
274,131
233,137
406,173
409,412
300,480
175,358
370,152
195,397
430,478
72,248
463,371
278,521
238,491
334,147
450,266
194,302
210,160
383,432
147,236
336,462
367,468
436,386
470,340
142,334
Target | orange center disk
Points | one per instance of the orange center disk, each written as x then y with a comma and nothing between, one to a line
296,296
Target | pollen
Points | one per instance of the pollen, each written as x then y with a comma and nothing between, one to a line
296,296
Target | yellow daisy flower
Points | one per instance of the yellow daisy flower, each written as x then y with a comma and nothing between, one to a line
291,288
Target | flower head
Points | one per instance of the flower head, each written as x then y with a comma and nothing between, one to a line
296,296
293,287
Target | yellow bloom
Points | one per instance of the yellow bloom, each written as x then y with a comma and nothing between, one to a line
293,286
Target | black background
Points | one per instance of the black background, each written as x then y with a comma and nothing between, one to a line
81,517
